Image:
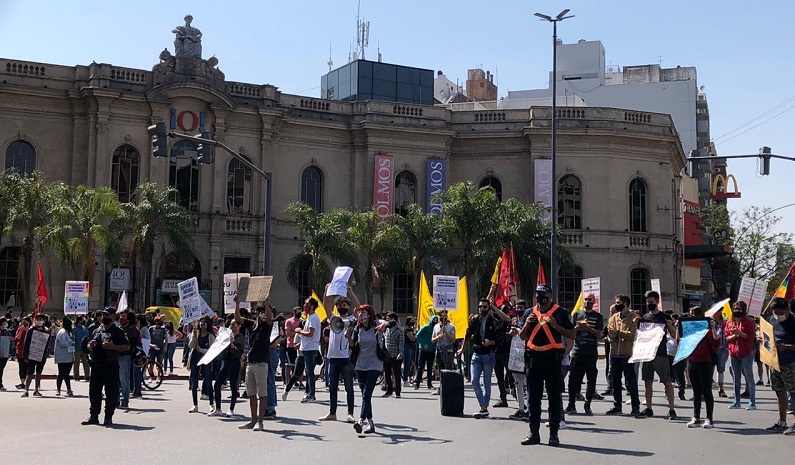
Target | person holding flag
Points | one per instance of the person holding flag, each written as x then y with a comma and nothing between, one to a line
783,381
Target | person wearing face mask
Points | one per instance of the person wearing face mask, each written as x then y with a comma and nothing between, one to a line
199,342
443,337
584,355
660,364
483,335
259,331
394,338
338,356
128,323
290,325
621,329
19,341
783,381
35,367
105,346
310,346
427,353
544,330
740,334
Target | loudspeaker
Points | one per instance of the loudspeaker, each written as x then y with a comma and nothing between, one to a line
451,393
339,325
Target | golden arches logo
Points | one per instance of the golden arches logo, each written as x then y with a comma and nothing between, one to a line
723,181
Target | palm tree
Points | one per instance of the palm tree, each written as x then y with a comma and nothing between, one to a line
155,217
426,243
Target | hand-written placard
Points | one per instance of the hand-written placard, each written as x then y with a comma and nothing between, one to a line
191,309
38,345
254,288
647,340
188,289
231,281
75,305
593,285
753,291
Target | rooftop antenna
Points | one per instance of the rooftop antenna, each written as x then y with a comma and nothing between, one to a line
330,62
380,57
659,58
362,34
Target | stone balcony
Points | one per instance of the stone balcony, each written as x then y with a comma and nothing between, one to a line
604,239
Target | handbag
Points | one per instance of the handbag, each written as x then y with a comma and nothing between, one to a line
318,359
380,348
355,347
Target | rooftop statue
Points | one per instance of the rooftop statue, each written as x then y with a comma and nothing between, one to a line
188,43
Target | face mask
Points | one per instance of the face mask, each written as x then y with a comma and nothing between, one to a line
738,314
107,321
39,323
588,305
782,318
263,317
651,307
542,300
343,310
392,324
619,307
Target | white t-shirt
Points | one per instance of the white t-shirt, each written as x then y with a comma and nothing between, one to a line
444,343
311,343
338,344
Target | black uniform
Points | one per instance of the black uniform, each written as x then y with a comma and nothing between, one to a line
105,371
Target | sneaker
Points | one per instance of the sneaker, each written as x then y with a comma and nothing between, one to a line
614,411
501,403
722,393
598,397
204,397
370,427
734,405
68,393
751,406
248,425
416,387
195,409
270,415
571,409
37,394
328,417
24,394
760,383
778,427
90,421
215,413
790,430
531,440
588,410
562,424
108,421
707,424
580,397
635,413
230,414
124,405
694,423
350,419
386,394
19,386
671,415
481,414
308,400
3,389
682,395
646,413
259,427
628,402
284,394
553,439
518,415
608,392
435,392
358,427
406,383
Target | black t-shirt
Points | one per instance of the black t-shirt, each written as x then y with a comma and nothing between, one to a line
561,316
660,318
115,335
586,343
259,341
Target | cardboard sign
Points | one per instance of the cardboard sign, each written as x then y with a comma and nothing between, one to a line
38,345
647,340
592,285
254,288
231,281
768,353
222,340
445,292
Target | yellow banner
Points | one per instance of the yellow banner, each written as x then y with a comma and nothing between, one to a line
768,353
458,317
424,303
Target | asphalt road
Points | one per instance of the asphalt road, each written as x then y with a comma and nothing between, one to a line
47,430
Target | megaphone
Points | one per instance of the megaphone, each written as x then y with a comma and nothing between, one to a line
339,325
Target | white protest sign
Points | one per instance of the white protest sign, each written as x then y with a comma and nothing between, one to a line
75,299
38,345
445,292
119,279
655,286
752,291
647,340
339,283
230,289
222,339
716,308
592,285
206,309
188,289
191,309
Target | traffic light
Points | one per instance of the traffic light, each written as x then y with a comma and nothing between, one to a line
205,150
159,135
764,154
692,165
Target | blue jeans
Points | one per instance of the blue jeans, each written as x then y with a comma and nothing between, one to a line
125,369
481,365
272,364
744,367
138,379
172,347
309,370
337,367
207,384
408,359
230,369
367,380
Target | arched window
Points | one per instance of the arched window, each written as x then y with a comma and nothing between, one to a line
570,286
403,292
238,188
312,188
183,174
639,283
405,192
124,172
304,287
637,206
494,183
570,202
21,156
9,277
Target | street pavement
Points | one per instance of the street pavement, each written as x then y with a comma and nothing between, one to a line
47,430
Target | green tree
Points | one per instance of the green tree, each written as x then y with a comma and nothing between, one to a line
155,217
425,241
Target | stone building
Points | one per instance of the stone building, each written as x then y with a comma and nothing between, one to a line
87,124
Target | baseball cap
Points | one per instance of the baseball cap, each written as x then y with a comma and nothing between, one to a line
779,302
543,288
109,310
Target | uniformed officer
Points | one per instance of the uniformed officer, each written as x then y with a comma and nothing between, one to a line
105,345
544,330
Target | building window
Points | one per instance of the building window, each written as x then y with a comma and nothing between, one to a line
303,288
124,172
494,183
21,156
312,188
639,283
405,192
570,287
237,265
570,202
403,292
184,174
238,188
9,277
637,206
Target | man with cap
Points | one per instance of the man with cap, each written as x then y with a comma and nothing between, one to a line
105,345
544,330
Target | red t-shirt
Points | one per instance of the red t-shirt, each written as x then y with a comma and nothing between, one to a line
704,350
739,347
19,337
290,325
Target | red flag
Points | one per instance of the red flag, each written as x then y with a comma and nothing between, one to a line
540,278
506,288
41,289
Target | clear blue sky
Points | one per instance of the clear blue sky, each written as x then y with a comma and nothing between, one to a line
742,50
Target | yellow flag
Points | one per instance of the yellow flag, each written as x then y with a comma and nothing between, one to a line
460,316
578,305
424,303
727,311
495,278
321,310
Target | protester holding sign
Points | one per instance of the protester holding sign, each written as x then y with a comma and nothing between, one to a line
783,381
19,340
199,343
660,363
701,365
35,353
741,336
230,369
259,331
621,329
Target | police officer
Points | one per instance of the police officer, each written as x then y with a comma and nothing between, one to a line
544,330
105,345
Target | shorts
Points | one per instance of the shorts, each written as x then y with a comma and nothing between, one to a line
257,379
660,366
783,380
292,355
35,367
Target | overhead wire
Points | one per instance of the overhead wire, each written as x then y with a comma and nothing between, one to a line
751,121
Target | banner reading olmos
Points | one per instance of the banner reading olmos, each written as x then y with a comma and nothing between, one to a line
383,184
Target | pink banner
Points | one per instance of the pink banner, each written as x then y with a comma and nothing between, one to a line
383,186
542,184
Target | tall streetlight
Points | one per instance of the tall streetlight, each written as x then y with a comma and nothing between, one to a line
553,250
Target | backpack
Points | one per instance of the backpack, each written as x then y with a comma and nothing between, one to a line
158,337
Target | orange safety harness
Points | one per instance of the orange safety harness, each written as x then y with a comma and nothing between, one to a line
552,343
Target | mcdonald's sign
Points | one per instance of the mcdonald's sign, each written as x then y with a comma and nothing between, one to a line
720,187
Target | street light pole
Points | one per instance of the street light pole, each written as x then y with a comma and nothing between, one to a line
553,240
